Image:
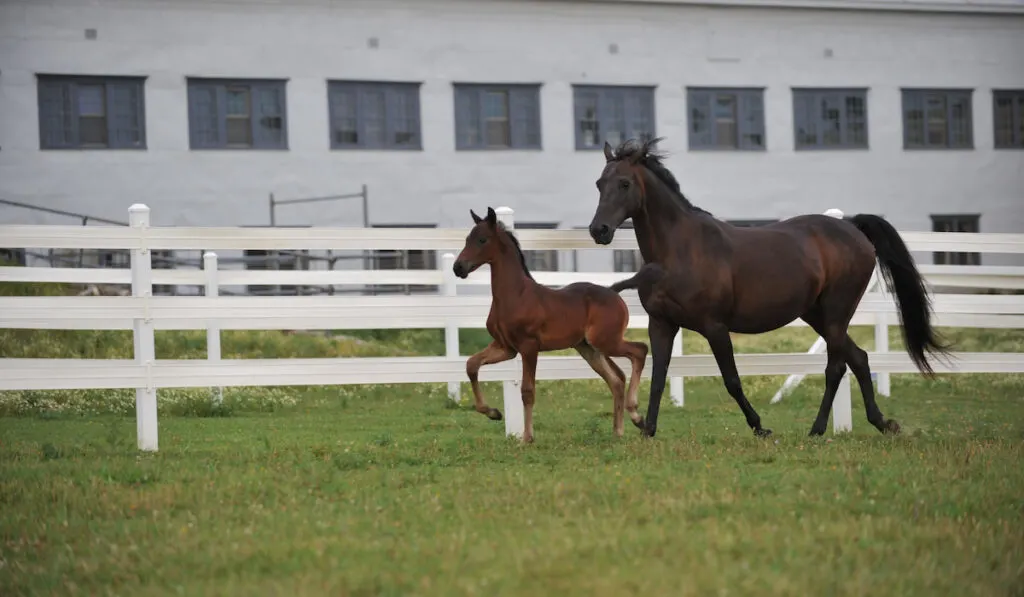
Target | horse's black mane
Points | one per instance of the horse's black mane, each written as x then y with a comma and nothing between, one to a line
645,154
519,249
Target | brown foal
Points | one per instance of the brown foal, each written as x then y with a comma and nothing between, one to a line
529,318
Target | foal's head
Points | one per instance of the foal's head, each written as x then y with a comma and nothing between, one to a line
483,244
621,187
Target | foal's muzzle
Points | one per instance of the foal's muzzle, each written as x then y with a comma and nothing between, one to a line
461,269
602,234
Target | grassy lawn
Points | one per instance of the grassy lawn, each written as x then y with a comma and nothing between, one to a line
395,490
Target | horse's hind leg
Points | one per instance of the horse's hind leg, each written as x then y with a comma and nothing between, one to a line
857,359
494,353
612,375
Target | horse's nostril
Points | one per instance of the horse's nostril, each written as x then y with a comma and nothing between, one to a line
604,229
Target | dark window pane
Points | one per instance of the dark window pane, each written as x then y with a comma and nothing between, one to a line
725,120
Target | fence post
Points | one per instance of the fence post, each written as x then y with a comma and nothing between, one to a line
882,339
514,418
451,330
212,326
675,384
145,349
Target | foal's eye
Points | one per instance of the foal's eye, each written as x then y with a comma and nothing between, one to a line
482,240
624,184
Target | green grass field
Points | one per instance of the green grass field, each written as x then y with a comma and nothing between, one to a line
394,490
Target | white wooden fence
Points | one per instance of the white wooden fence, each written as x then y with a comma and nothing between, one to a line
144,313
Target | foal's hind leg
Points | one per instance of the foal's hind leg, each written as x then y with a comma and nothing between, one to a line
636,352
612,375
494,353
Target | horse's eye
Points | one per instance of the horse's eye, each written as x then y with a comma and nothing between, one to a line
624,184
482,240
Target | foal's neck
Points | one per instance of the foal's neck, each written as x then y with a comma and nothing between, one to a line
508,278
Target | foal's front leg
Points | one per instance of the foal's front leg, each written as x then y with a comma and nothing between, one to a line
494,353
529,353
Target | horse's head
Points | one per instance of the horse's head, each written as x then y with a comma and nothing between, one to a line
621,189
482,244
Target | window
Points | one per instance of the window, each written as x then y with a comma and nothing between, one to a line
497,116
956,223
627,260
374,115
91,112
407,259
830,118
237,114
544,260
730,118
937,119
1008,108
613,114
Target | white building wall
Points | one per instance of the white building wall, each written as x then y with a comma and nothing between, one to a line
554,43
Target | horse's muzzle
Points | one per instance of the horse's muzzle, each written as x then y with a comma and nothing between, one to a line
461,269
602,234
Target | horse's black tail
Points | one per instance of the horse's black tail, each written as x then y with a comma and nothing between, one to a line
903,280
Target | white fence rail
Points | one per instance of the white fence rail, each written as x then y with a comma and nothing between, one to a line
144,313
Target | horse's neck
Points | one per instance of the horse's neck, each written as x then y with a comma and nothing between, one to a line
665,232
508,279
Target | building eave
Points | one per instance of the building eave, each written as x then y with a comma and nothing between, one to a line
1015,7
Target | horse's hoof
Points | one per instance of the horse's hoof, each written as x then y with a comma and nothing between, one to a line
645,432
815,432
763,432
494,414
639,424
891,427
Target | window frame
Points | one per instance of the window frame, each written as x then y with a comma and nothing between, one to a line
470,96
639,94
919,95
391,90
743,96
956,257
1016,118
816,95
72,82
219,86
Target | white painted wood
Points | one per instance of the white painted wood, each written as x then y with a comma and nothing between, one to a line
451,328
143,330
213,353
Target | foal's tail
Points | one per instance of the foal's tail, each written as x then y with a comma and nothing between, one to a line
627,284
903,280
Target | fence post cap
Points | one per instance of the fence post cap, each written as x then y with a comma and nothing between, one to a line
138,208
209,255
835,213
504,211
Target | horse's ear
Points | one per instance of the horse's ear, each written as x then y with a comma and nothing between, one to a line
476,219
608,154
492,218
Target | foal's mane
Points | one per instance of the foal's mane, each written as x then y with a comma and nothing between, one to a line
519,249
646,155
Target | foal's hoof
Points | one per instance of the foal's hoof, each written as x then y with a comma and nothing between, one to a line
494,414
891,427
763,432
639,424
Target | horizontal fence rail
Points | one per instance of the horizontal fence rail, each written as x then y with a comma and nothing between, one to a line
145,314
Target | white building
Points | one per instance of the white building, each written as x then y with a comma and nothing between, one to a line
913,109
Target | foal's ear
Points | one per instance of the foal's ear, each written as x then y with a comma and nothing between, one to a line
492,218
476,219
608,154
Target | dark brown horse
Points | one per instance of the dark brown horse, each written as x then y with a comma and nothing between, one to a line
529,318
714,278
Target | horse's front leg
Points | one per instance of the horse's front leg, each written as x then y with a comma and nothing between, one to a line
662,333
494,353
